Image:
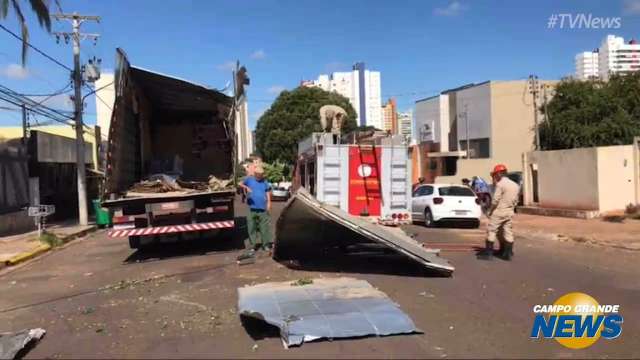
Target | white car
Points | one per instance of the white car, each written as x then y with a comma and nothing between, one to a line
432,203
280,193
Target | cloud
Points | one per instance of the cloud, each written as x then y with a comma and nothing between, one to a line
14,71
276,89
258,55
335,66
454,8
227,66
631,7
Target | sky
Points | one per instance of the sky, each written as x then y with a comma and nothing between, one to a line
420,47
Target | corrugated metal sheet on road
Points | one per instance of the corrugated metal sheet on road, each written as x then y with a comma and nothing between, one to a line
326,308
306,225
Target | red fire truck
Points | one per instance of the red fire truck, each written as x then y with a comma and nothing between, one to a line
364,174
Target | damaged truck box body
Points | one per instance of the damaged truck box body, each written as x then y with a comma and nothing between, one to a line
307,225
170,148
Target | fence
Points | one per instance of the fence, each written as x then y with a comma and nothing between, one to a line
14,181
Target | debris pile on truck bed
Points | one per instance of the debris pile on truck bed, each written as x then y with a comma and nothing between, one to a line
162,183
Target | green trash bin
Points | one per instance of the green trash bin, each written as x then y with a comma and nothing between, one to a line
103,218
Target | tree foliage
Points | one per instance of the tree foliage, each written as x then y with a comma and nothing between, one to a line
294,116
41,10
592,113
276,172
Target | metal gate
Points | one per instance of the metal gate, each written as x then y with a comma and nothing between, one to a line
14,181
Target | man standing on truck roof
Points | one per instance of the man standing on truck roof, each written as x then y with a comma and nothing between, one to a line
503,204
258,192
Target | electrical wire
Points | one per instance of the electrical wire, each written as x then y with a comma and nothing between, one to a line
58,92
35,48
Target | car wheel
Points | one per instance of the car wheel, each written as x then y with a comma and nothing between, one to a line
428,218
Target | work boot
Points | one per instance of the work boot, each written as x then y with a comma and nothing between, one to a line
507,254
487,253
247,255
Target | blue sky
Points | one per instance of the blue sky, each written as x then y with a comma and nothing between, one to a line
420,47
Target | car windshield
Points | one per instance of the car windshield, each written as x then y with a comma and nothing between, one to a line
455,191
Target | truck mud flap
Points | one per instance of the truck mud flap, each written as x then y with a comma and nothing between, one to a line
306,225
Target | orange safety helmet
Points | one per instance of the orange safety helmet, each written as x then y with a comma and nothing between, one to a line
499,168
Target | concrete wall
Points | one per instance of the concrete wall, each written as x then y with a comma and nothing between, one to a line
512,130
600,179
568,179
615,177
475,104
431,122
105,99
15,132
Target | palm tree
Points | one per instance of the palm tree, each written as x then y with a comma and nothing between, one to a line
39,7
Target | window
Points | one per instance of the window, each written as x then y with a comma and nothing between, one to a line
456,191
423,191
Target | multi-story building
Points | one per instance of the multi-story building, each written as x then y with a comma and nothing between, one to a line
466,131
614,56
405,124
390,116
587,65
361,86
618,57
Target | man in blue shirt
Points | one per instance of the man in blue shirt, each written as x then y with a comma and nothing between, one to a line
258,192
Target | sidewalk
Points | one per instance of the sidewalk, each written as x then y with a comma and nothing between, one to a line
21,247
625,235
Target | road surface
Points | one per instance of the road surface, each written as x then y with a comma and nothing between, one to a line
97,298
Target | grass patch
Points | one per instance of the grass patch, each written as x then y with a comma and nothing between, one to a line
302,282
50,239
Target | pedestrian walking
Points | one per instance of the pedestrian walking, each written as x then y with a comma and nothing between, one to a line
503,204
258,191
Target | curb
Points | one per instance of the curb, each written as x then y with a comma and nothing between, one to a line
580,240
43,248
28,255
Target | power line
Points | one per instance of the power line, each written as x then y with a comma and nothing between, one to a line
35,48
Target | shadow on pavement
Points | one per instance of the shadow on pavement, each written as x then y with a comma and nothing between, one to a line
225,241
259,329
362,263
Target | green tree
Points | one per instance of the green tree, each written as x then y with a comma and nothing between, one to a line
294,116
592,113
39,7
275,172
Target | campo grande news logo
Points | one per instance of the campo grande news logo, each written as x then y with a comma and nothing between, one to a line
577,321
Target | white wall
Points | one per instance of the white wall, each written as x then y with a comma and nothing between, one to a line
477,100
434,113
105,98
615,177
600,179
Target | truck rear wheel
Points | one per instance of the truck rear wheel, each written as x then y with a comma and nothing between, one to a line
134,242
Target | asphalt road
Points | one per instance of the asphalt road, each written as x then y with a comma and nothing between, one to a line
97,298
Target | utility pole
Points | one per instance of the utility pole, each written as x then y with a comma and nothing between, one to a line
544,102
24,124
466,129
77,20
533,90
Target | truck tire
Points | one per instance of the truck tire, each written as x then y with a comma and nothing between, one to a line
134,242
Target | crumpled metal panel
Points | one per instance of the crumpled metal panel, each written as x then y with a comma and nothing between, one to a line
12,343
306,225
327,308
